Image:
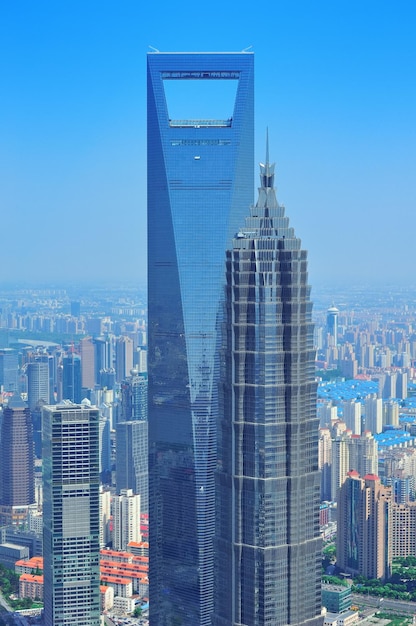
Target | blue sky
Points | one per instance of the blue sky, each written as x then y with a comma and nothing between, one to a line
335,85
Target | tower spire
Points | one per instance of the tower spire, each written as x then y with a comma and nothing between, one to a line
267,147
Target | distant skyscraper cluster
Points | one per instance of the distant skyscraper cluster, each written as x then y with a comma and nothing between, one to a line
62,519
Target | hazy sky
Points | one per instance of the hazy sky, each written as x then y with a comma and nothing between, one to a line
335,85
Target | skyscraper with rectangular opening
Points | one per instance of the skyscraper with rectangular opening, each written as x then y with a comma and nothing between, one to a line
268,545
200,163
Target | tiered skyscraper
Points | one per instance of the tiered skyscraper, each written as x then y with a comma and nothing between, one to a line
71,515
200,182
268,546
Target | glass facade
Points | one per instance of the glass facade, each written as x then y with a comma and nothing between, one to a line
199,183
268,545
71,533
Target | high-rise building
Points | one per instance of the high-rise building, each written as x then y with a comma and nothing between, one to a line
17,480
38,382
364,542
87,353
131,439
351,412
71,515
38,372
8,369
126,519
103,356
200,181
332,325
124,357
131,459
325,462
105,516
352,452
71,378
134,397
268,544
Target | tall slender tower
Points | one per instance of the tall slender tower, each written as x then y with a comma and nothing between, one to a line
199,183
364,537
71,378
17,481
332,325
38,382
268,546
71,515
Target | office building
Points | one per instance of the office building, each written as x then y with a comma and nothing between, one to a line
126,519
336,598
71,515
134,398
87,353
131,459
9,367
124,357
268,544
71,378
131,439
332,325
325,462
40,391
105,516
37,372
17,480
105,449
103,356
200,182
364,541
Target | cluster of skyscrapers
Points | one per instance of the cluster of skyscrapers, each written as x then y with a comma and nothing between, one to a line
231,440
232,398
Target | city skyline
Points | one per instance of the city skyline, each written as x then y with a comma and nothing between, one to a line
335,90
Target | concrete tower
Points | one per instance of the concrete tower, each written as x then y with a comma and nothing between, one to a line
71,515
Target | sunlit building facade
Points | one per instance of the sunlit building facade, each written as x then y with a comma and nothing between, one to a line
268,544
200,181
71,515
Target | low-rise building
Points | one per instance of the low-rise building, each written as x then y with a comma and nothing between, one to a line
107,597
336,598
31,586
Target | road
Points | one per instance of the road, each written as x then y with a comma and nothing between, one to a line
384,604
18,620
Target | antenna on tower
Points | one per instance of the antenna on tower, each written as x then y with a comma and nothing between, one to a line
267,145
153,48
